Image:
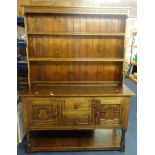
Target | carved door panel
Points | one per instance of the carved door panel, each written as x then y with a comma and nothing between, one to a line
44,113
108,112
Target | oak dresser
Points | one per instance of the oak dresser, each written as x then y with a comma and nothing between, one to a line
76,98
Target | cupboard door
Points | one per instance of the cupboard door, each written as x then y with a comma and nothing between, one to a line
44,112
109,112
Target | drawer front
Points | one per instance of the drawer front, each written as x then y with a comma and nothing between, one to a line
77,104
44,112
109,111
77,118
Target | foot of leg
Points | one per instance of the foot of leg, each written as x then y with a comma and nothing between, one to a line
28,143
123,141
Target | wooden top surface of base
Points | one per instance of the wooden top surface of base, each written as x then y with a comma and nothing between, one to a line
76,90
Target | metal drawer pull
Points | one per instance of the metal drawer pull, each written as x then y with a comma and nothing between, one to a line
97,117
55,114
51,93
36,93
95,105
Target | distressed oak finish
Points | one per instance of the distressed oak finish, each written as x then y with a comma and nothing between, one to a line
76,98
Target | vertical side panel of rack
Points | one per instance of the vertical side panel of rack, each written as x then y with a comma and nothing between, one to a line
27,51
124,51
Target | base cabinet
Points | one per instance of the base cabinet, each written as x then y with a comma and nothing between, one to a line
92,116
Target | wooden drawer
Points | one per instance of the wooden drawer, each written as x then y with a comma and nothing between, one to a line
115,100
76,117
77,104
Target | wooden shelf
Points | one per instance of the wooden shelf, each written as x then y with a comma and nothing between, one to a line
105,139
78,59
77,34
131,76
60,90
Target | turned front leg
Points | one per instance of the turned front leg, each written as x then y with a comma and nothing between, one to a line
122,143
28,142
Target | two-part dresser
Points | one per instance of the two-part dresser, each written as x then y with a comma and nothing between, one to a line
76,98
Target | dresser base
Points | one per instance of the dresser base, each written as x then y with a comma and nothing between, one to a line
105,139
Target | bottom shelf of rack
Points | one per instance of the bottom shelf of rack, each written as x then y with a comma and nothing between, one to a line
107,139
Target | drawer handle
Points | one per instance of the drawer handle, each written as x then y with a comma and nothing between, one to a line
51,93
36,93
97,113
55,114
58,106
97,117
76,106
95,105
76,121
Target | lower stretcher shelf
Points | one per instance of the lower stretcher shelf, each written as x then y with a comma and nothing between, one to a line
105,139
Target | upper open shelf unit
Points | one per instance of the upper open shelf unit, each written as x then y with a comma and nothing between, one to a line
75,44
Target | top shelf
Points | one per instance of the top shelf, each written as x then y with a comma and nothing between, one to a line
77,34
123,12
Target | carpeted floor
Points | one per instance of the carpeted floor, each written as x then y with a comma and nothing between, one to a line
131,134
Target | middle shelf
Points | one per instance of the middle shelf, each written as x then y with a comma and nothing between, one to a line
78,59
78,34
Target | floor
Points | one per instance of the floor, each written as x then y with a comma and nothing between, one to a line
131,134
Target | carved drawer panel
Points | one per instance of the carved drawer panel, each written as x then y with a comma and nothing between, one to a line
76,117
77,104
44,112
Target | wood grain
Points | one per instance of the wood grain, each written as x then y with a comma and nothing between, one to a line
62,23
76,89
56,46
77,59
73,37
45,9
75,68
